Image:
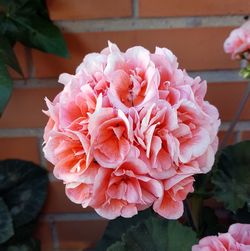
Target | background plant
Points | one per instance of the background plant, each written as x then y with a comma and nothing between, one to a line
27,22
23,190
23,185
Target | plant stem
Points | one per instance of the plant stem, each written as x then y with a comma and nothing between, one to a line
189,215
236,117
195,203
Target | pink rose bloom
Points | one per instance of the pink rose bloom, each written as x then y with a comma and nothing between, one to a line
129,130
238,41
237,239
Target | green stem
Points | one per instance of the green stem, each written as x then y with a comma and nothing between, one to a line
189,215
194,208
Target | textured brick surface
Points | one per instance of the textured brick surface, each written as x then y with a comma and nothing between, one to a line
158,8
57,201
226,97
25,108
43,233
80,234
231,139
246,135
88,9
20,148
194,47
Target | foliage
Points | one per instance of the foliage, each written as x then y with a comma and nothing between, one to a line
156,234
231,176
117,227
23,189
28,22
245,72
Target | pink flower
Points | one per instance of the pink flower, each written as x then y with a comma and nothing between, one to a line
237,239
223,242
67,153
126,189
110,136
139,76
241,233
81,191
129,130
176,189
238,41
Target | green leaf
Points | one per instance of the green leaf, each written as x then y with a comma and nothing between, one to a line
5,86
117,246
117,227
242,215
245,72
27,245
41,34
8,55
6,226
23,185
156,234
23,232
210,224
28,8
231,176
202,185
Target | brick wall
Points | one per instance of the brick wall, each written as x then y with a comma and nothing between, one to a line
193,29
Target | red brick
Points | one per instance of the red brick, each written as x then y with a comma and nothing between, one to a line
21,54
246,135
231,139
58,202
80,234
226,97
19,148
43,233
158,8
88,9
196,48
25,108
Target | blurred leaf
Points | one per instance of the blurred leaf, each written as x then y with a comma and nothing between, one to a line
6,226
5,3
231,177
245,72
26,21
26,245
8,55
156,234
210,223
41,34
5,86
28,8
117,246
242,215
23,232
23,185
117,227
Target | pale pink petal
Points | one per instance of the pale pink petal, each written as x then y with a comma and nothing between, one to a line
168,208
241,233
